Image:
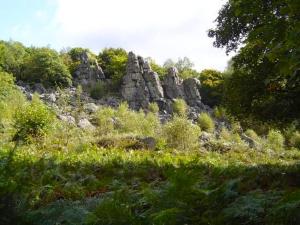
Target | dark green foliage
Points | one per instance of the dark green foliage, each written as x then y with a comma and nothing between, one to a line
44,65
265,77
59,212
287,210
211,87
113,62
250,209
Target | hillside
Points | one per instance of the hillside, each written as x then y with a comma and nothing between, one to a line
115,138
68,157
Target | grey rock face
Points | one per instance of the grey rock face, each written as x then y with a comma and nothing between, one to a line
191,90
90,108
172,84
85,124
67,118
141,85
153,84
86,73
134,89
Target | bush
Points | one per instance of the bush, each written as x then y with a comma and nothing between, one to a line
252,134
179,107
275,140
105,120
10,98
180,133
128,121
98,90
295,140
153,107
206,123
45,66
226,135
125,121
32,121
220,113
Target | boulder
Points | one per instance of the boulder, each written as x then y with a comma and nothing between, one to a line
67,118
85,124
148,143
90,107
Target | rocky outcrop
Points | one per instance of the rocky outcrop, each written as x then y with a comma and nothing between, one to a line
191,91
86,72
141,85
173,84
134,89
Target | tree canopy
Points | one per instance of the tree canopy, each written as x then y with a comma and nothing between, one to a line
113,62
267,63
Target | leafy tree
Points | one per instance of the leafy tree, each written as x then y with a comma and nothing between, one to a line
184,66
265,80
160,70
211,86
45,66
12,56
113,62
72,58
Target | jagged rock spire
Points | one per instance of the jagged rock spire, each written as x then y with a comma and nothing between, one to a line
141,85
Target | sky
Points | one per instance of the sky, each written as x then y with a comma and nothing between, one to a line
160,29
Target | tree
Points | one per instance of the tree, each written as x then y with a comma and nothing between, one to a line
12,56
264,79
184,66
160,70
211,86
113,62
44,65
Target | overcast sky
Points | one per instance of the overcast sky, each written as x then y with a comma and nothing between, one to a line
160,29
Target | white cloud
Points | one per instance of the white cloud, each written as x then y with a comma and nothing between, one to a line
158,28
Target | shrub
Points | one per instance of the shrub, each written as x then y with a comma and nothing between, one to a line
252,134
128,121
123,120
32,121
179,107
295,140
98,90
206,123
220,113
226,135
275,139
105,120
180,133
153,107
